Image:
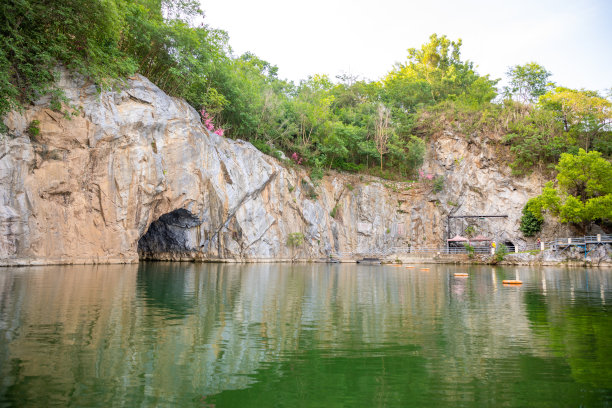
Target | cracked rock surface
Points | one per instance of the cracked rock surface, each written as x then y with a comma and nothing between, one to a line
136,165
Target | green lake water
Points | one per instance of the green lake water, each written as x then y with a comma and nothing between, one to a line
311,335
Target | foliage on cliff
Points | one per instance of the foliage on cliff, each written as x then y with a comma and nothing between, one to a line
344,123
108,40
328,124
583,191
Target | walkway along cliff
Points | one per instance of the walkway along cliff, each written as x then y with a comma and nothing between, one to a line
133,174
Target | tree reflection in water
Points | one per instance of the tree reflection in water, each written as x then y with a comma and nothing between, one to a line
163,334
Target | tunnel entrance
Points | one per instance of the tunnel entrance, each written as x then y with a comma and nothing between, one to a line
510,246
172,237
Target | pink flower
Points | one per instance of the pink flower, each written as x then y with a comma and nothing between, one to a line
219,132
296,158
210,127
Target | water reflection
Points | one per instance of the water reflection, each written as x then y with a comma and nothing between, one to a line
159,334
167,287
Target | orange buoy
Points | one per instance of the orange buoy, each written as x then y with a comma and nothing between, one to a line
512,282
461,274
409,266
424,269
396,265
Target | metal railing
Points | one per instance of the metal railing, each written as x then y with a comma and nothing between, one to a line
555,244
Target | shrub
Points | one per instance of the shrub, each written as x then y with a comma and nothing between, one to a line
501,252
34,130
316,174
262,147
470,250
295,239
438,184
531,224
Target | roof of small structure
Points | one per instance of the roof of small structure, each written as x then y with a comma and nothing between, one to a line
458,238
480,238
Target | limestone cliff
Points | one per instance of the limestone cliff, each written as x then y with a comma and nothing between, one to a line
134,170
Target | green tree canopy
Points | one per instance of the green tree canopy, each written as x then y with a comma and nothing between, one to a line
583,193
585,115
349,124
527,82
433,73
536,140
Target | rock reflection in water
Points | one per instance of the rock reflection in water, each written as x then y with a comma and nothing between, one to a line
175,333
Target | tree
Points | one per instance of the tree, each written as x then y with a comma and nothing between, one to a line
536,140
382,131
106,41
36,36
433,73
583,193
531,223
527,82
584,175
312,107
585,115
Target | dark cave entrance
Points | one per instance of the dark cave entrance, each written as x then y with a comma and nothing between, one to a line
173,236
510,246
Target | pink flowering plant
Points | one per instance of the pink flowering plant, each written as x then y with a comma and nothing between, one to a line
425,176
207,120
437,182
296,158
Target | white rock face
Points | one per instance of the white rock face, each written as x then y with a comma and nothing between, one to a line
88,188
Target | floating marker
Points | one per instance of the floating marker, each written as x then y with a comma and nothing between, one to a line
409,266
424,269
461,275
512,282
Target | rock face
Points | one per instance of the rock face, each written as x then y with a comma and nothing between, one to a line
134,171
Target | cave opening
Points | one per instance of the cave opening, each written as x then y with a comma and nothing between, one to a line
173,236
510,246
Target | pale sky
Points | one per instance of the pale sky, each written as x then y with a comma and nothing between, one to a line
570,38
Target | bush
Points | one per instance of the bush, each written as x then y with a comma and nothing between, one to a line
316,174
470,250
470,231
34,130
295,239
262,147
501,252
438,184
531,224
